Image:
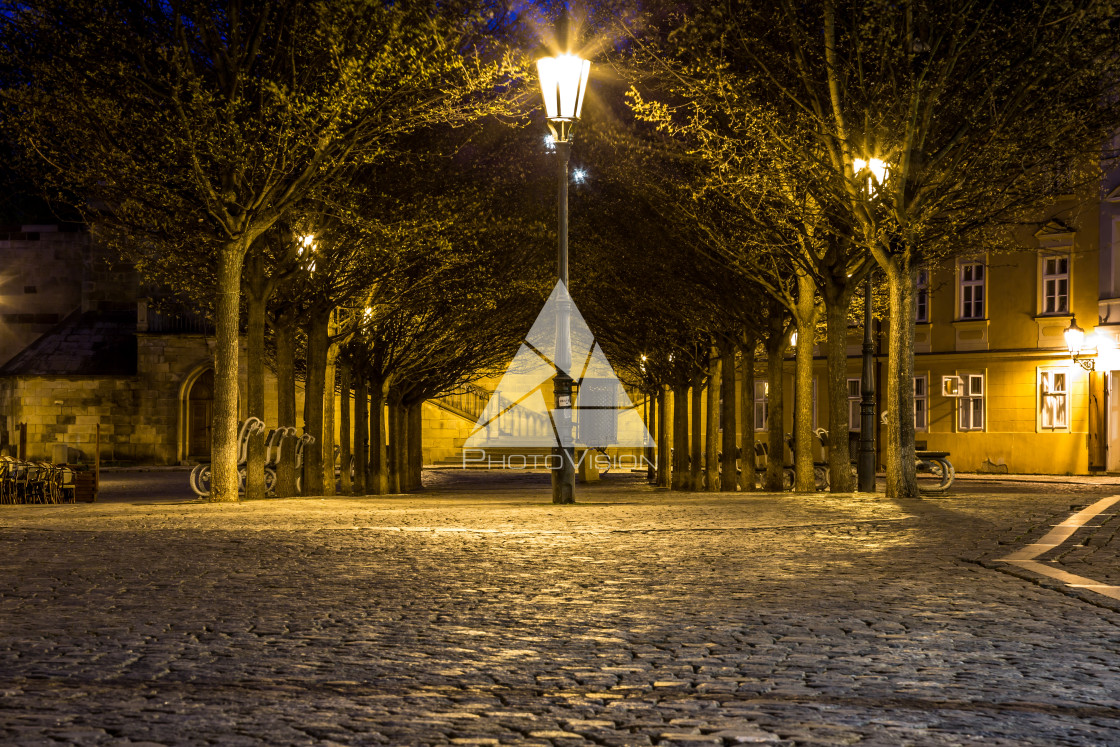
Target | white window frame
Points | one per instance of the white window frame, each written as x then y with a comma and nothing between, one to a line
921,402
972,404
1052,401
921,297
1051,298
761,405
854,403
969,288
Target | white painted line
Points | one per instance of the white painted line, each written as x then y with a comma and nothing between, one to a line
1094,586
1025,557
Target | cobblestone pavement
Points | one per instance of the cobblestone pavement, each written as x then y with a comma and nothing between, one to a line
1093,550
490,616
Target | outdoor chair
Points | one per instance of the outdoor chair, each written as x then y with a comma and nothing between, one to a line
6,485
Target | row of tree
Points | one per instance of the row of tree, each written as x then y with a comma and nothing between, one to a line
260,154
342,173
980,112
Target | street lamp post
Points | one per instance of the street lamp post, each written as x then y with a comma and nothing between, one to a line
1093,351
1075,341
865,467
563,82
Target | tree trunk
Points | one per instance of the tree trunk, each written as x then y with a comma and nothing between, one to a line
696,434
837,301
345,485
803,438
393,447
899,451
378,483
775,411
329,458
680,477
361,434
729,481
403,424
317,341
257,292
651,428
711,432
284,336
664,436
746,460
415,450
227,328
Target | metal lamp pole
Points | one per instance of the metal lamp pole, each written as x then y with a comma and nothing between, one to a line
866,464
563,476
563,82
876,171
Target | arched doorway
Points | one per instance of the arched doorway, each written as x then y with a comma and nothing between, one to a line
200,412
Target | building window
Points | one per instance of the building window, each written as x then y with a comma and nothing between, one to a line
761,410
971,403
854,397
922,300
921,402
972,290
1053,405
1055,285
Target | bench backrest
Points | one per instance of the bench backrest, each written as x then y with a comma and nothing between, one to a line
248,428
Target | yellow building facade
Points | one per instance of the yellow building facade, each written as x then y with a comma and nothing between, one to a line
995,384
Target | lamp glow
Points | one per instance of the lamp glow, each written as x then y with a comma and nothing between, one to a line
1106,351
876,166
1075,337
563,83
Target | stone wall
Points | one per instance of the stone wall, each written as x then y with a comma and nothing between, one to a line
443,433
139,415
142,417
67,411
50,272
41,283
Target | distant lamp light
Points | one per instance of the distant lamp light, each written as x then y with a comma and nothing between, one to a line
1076,340
579,176
877,168
563,83
306,243
1075,337
793,340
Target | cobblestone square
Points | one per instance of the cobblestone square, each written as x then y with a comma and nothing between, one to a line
485,615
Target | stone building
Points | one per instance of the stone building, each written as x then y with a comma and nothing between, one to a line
84,355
